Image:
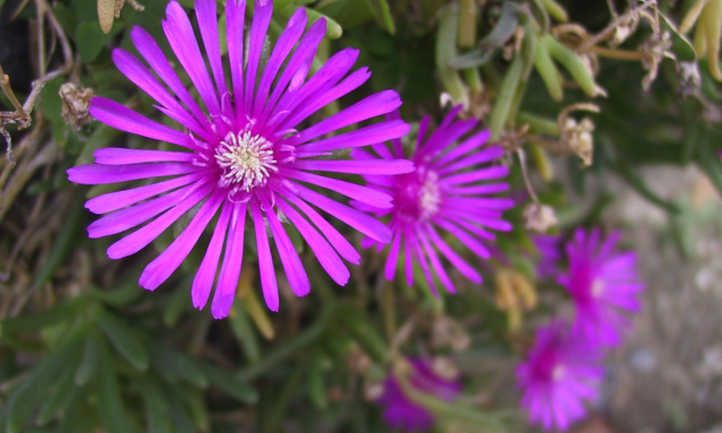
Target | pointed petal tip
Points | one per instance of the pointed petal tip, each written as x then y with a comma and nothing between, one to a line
220,312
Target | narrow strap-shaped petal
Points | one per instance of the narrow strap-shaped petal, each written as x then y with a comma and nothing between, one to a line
437,266
140,238
408,261
208,25
469,145
487,155
292,265
442,138
123,118
348,85
423,129
125,156
465,238
206,274
124,219
393,257
494,222
488,188
182,40
288,38
97,174
368,108
333,70
336,239
111,201
457,261
266,270
486,203
362,222
381,149
136,72
355,166
161,268
232,262
326,256
365,136
262,13
494,172
305,51
471,227
235,24
421,259
154,56
363,194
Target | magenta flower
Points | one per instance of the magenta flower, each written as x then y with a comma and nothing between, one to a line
450,192
604,283
239,153
560,374
400,412
549,250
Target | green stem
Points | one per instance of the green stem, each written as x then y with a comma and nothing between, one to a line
505,98
467,23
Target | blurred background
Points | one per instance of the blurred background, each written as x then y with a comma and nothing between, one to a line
610,113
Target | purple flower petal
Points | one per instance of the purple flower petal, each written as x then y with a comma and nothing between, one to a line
206,274
140,238
389,167
160,269
111,201
231,267
288,38
327,257
123,118
358,220
96,174
261,19
124,219
123,156
151,52
361,137
292,265
357,192
266,270
181,37
208,25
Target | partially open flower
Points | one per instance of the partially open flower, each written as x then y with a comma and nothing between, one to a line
578,136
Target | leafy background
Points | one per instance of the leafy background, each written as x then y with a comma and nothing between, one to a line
82,349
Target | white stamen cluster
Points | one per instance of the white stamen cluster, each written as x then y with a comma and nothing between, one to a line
247,160
430,195
558,372
597,287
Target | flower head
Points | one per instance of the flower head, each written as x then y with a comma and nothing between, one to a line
450,192
239,155
401,412
603,282
560,374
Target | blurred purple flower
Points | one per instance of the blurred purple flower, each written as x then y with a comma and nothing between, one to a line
400,412
560,374
239,153
449,193
549,250
604,283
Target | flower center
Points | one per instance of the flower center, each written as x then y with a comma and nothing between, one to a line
246,159
558,373
597,287
429,195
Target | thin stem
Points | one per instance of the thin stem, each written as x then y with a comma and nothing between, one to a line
618,54
525,175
